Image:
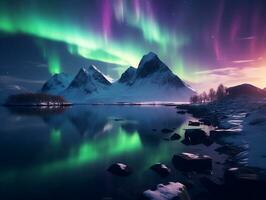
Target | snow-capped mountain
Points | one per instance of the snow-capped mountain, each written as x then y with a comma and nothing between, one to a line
152,70
151,81
56,84
88,80
128,76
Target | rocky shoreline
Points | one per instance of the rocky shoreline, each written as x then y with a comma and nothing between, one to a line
229,117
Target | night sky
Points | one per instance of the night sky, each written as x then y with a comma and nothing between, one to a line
205,42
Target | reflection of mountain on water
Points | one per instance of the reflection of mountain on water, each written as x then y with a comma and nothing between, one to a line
93,120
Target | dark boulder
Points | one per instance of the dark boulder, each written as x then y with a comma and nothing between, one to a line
206,121
161,169
191,123
175,136
192,162
120,169
196,136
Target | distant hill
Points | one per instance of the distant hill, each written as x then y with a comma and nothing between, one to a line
245,90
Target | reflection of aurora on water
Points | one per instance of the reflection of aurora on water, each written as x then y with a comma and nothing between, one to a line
95,150
87,152
71,151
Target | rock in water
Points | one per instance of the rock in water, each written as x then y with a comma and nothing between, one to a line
192,162
170,191
161,169
120,169
191,123
196,136
175,136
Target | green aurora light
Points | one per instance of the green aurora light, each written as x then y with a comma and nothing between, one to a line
86,41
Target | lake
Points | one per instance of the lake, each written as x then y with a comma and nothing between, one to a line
64,153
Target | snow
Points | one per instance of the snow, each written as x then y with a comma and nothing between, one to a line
122,166
246,119
88,80
173,190
57,83
158,84
190,155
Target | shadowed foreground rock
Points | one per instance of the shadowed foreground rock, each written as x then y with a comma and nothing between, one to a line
120,169
192,162
196,136
245,183
161,169
175,136
191,123
176,191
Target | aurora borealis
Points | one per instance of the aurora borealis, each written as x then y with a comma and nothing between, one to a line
201,41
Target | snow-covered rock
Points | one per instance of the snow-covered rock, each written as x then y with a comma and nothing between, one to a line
56,84
161,169
168,192
120,169
192,162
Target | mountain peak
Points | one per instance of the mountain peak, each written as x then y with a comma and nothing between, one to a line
56,84
149,64
89,79
128,75
149,56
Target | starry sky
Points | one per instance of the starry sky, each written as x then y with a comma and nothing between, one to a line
204,42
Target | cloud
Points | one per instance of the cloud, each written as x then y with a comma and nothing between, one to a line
243,61
20,83
247,38
37,64
230,76
10,79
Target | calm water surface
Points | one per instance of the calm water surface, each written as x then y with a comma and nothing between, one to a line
65,154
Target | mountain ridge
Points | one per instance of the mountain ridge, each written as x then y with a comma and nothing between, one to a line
151,81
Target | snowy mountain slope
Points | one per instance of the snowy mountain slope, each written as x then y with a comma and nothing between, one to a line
57,83
128,76
151,81
88,80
